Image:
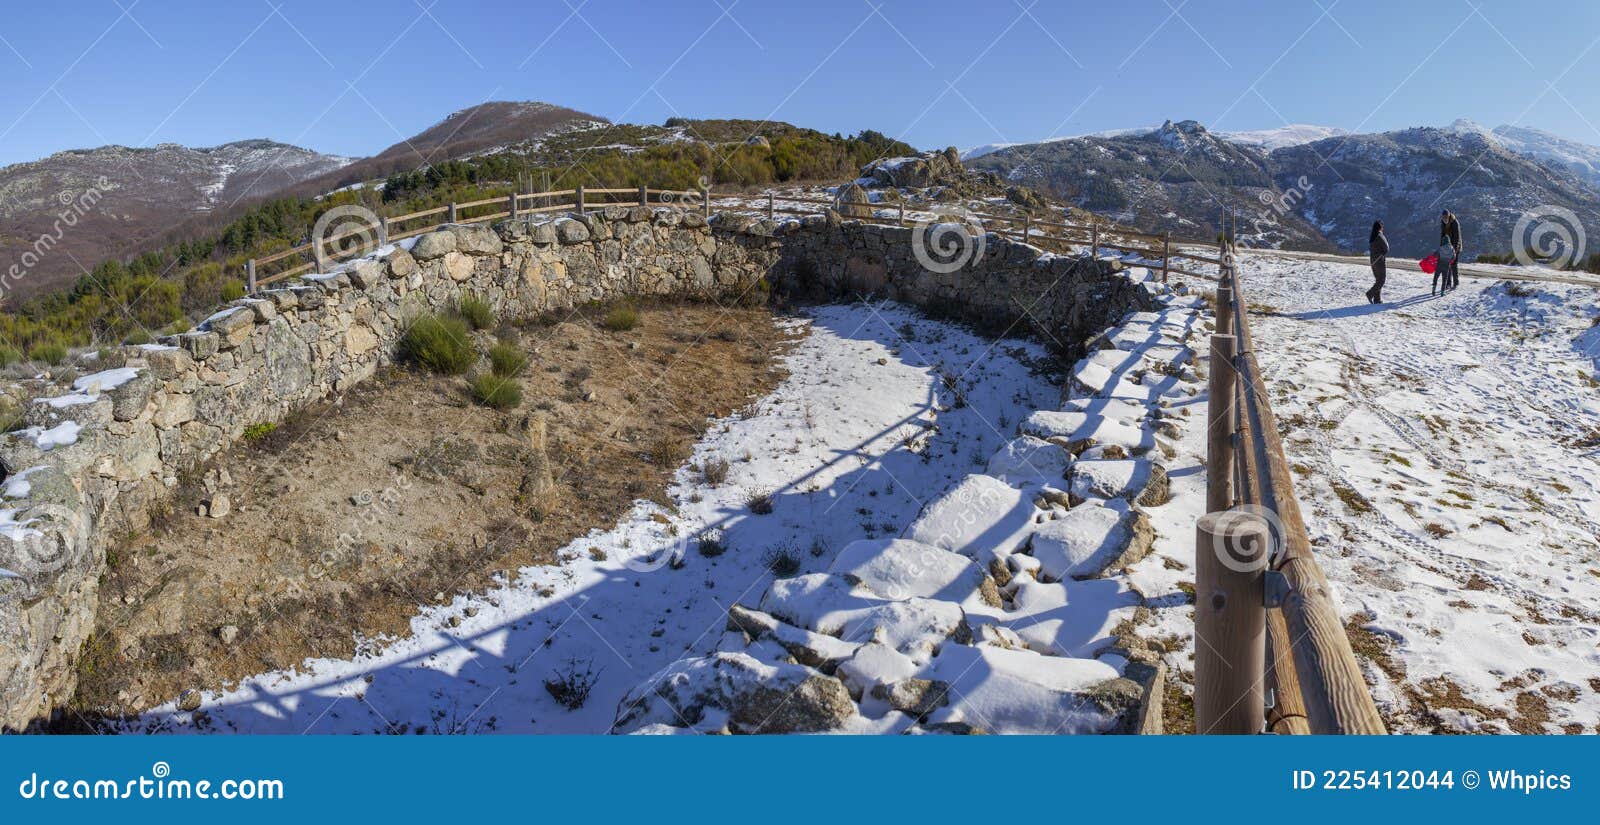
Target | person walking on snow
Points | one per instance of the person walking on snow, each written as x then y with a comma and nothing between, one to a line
1450,233
1378,253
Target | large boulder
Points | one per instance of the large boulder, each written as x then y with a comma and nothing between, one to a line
736,693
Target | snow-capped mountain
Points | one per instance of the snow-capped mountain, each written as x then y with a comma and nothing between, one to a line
1293,134
1319,194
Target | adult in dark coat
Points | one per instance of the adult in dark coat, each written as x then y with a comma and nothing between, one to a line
1378,253
1450,233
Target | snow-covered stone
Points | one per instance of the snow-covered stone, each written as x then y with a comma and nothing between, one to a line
734,692
901,568
1091,540
1137,480
828,604
1015,691
1078,431
981,517
1030,460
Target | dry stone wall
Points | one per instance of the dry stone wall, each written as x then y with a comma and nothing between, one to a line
93,464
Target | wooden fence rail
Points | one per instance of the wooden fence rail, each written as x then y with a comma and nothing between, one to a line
1312,679
1096,236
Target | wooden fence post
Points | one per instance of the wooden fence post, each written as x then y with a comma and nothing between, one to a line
452,212
1094,238
902,220
512,199
1166,254
1027,227
578,196
383,231
705,201
772,206
250,276
1230,618
644,196
1222,421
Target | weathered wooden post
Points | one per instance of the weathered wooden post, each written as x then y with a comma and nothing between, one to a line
383,231
512,200
772,206
644,196
1222,422
705,201
250,276
1027,227
578,198
452,212
1094,238
1230,618
1166,254
902,220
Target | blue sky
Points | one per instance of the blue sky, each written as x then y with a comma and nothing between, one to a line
353,76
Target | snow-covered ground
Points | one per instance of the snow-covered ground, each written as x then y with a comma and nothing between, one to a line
892,550
1445,451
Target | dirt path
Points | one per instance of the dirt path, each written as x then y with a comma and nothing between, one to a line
405,492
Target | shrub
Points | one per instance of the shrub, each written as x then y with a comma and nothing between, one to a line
475,311
621,319
759,502
783,562
9,356
507,360
232,290
48,352
711,543
715,470
570,688
667,451
137,337
497,391
438,344
256,432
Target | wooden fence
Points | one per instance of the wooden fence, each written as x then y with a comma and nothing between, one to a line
1045,234
1269,648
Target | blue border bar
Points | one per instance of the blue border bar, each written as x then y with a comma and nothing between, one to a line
807,779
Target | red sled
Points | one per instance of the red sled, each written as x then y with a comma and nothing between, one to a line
1429,264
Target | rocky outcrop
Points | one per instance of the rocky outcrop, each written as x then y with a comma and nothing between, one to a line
926,169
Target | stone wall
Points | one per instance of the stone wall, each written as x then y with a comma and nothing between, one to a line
95,463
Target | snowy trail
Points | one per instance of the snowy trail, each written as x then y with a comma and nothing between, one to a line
1445,451
864,432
